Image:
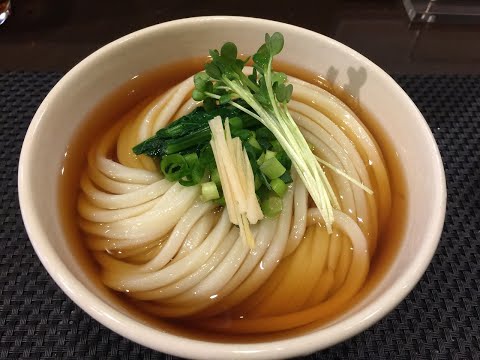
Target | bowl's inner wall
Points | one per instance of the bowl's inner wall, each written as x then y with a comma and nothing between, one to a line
80,91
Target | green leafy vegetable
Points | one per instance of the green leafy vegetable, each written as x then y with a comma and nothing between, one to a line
256,106
188,131
185,154
266,93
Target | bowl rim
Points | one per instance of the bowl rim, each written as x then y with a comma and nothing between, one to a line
187,347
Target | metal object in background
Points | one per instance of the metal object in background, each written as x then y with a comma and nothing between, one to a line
5,10
443,11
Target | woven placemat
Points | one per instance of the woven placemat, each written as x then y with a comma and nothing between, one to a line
438,320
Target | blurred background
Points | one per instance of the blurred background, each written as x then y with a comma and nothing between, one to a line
408,36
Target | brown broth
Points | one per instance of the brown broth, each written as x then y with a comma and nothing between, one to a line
141,88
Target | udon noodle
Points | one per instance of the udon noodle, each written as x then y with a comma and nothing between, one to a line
178,257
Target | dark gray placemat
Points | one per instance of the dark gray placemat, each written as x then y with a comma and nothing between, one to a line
438,320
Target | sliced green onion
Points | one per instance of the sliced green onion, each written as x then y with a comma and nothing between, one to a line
261,159
198,173
235,123
257,182
272,206
272,168
252,141
187,181
209,191
174,167
269,154
191,159
215,176
264,180
279,187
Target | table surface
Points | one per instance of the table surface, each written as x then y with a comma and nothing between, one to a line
64,32
439,320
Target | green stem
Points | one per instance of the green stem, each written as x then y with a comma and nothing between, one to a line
209,94
244,78
284,128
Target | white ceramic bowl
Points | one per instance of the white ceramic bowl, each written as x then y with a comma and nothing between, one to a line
86,84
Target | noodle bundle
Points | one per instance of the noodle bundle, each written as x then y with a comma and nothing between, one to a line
181,258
